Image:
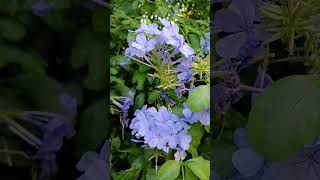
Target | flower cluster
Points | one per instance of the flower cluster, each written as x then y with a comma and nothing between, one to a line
169,35
243,42
95,165
161,129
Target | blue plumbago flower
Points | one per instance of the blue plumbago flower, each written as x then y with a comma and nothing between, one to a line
226,93
149,29
124,104
206,44
42,8
180,155
170,34
239,19
94,165
69,103
249,164
184,70
304,165
142,45
160,129
55,129
191,117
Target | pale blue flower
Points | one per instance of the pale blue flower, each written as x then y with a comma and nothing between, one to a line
143,45
140,46
170,34
160,129
186,50
149,29
203,116
180,155
192,117
184,70
94,165
42,8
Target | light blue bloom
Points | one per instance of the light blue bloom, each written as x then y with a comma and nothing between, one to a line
148,29
206,44
184,70
143,45
203,116
192,117
160,129
42,8
186,50
94,165
140,46
180,155
170,34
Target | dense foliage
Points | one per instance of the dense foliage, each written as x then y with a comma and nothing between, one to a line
266,86
52,84
160,92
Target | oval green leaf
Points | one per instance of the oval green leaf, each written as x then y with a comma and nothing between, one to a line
285,117
169,170
199,98
200,167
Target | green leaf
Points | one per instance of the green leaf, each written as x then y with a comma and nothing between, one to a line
200,167
100,20
42,92
128,174
189,175
131,36
12,30
31,63
151,174
139,78
153,96
194,40
285,117
199,98
89,49
196,132
177,110
140,163
207,128
93,128
222,158
169,170
143,68
14,153
234,119
139,101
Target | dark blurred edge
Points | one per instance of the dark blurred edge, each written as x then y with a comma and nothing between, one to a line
108,89
212,60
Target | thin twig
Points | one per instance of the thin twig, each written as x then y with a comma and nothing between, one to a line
250,88
290,59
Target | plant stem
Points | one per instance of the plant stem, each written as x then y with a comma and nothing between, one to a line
156,163
289,59
182,169
250,88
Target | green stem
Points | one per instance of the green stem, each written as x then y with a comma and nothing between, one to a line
292,31
182,168
156,163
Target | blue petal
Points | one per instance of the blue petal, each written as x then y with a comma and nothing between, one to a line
86,160
240,138
247,162
245,9
228,21
229,46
